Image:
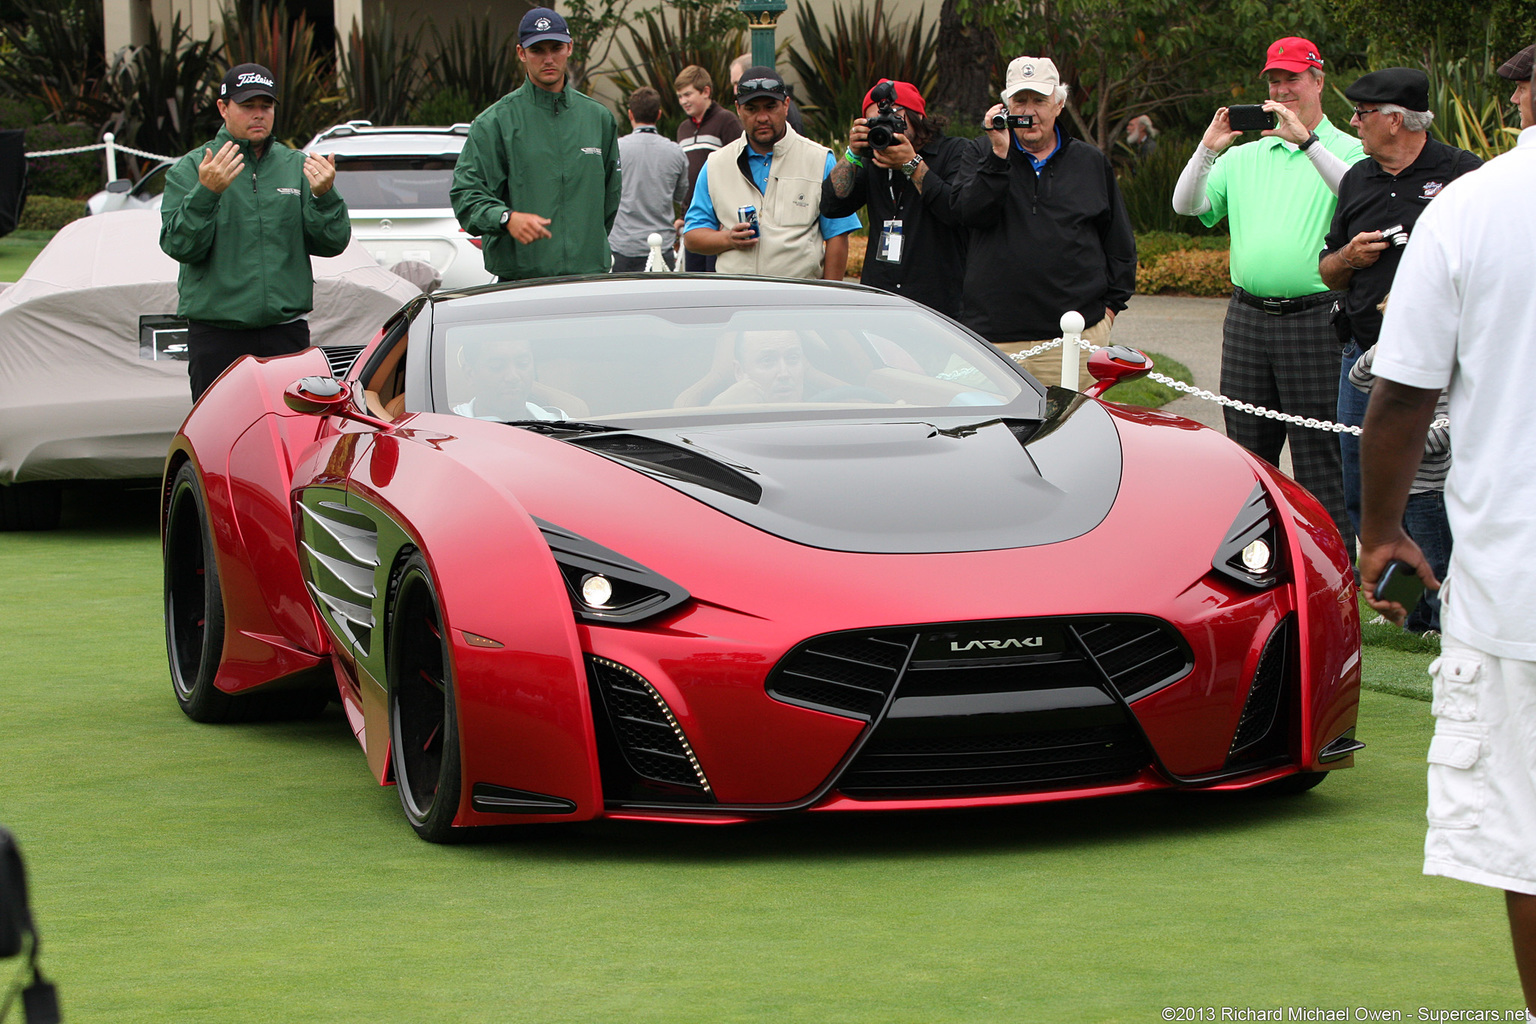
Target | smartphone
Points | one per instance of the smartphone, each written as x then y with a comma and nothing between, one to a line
1250,117
1400,582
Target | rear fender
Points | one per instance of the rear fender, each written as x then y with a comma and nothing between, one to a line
240,438
519,675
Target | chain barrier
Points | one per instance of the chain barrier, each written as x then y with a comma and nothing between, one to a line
1211,396
92,148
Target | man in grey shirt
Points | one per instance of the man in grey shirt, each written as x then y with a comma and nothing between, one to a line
655,179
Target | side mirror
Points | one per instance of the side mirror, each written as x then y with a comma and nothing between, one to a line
119,186
1114,364
326,396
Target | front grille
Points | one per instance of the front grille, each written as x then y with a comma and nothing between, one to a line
846,673
1260,715
1138,654
945,766
991,706
341,357
643,727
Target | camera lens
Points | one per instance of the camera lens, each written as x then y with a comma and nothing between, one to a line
999,122
880,136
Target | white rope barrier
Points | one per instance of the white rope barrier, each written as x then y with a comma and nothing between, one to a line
1211,396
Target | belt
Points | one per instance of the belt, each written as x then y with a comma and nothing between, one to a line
1280,307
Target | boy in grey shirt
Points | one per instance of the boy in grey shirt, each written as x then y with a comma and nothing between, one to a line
655,180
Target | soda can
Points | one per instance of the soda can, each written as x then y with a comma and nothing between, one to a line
747,215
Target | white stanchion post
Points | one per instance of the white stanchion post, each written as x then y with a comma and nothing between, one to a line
110,140
1071,332
654,263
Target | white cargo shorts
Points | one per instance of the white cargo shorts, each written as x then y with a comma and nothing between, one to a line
1482,769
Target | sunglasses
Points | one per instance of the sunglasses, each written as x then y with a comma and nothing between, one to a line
759,85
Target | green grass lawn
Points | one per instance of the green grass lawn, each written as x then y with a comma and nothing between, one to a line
17,251
197,873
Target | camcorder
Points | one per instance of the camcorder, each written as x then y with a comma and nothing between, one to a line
884,128
1002,121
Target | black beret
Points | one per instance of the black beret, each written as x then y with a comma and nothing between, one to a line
1406,87
1518,67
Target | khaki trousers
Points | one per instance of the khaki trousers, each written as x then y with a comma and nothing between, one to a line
1046,367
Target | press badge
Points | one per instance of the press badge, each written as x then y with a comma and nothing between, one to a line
890,243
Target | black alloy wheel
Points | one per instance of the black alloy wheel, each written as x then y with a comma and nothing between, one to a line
423,725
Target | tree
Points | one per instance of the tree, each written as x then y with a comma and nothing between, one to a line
1124,58
967,61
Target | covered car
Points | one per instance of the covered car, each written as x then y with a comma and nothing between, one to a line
93,377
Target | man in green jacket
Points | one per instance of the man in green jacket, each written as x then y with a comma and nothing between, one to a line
242,215
538,178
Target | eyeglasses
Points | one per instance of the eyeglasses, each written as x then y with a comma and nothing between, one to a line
1361,112
760,84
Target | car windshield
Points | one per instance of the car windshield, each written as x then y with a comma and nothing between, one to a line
711,362
395,183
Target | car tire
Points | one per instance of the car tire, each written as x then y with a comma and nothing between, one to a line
194,603
423,722
1298,783
30,506
194,623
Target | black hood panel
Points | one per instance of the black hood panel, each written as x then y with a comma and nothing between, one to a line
895,487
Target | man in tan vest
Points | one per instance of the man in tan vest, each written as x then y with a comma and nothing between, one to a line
779,174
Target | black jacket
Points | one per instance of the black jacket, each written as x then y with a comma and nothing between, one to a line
933,240
1041,246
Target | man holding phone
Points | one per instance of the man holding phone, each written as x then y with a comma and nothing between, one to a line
1279,349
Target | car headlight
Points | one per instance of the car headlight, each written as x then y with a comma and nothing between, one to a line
1250,553
605,587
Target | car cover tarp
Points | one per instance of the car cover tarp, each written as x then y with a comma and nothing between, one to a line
76,399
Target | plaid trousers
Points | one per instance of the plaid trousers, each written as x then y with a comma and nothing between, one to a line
1289,363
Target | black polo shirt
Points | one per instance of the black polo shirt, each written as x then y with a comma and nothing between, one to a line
1370,199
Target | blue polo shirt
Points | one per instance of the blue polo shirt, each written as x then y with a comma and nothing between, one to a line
701,212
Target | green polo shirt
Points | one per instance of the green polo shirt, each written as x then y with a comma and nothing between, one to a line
1280,211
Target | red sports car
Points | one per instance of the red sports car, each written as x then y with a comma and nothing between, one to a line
712,549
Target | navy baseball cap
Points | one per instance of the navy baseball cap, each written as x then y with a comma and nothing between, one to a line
540,24
243,81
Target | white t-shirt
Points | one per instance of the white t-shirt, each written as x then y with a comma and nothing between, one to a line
1463,315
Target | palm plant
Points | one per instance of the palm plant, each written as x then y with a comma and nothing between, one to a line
55,54
838,67
307,95
708,38
474,65
382,71
1469,101
164,91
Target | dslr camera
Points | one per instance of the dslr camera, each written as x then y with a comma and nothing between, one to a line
1001,121
884,128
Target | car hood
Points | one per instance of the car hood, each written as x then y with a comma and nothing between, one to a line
896,486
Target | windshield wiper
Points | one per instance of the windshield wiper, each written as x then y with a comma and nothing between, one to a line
562,426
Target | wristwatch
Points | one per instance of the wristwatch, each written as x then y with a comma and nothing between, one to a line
1308,141
506,215
910,167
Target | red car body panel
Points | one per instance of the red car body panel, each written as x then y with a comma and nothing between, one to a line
469,494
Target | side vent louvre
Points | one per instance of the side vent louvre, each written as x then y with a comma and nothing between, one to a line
341,556
1261,712
644,727
341,357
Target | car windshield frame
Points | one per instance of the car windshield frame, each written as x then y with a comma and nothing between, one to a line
1028,403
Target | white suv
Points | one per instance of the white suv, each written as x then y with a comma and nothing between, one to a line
395,180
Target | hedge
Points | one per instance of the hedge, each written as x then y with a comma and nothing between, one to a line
49,213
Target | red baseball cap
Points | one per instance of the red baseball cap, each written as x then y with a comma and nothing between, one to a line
1293,53
906,96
